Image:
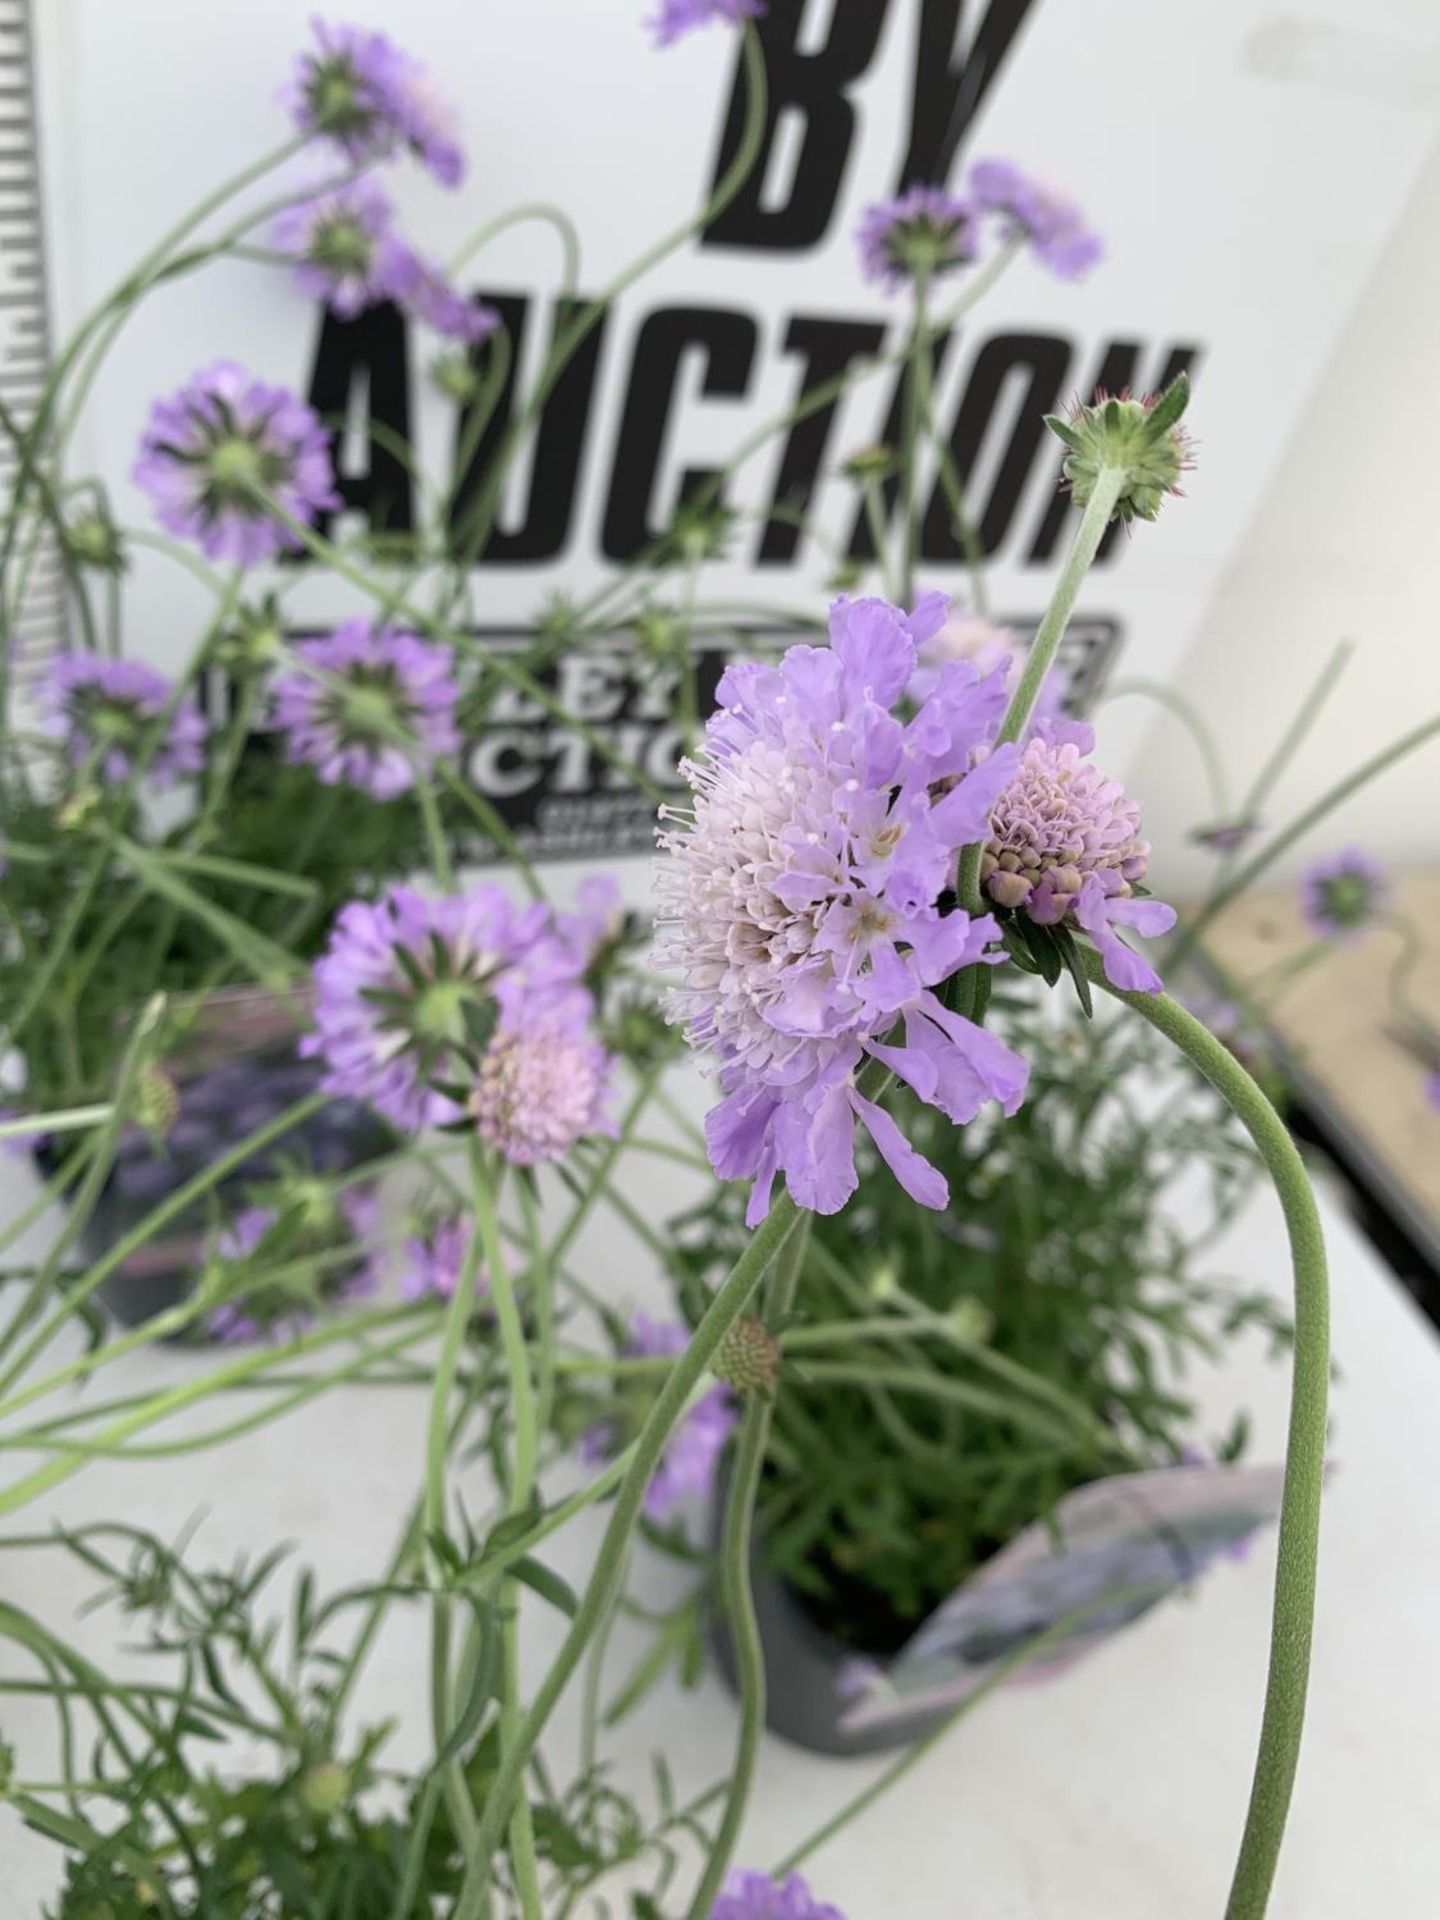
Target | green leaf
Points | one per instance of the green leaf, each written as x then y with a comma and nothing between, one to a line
558,1842
482,1686
547,1583
1169,407
1063,431
1070,954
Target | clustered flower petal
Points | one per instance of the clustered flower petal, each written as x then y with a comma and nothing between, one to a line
393,987
542,1087
1064,848
691,1461
434,1258
344,247
804,903
356,87
924,232
105,709
375,709
428,295
1029,210
1344,895
755,1896
679,17
212,451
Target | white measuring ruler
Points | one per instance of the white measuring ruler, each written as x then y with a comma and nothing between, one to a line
24,312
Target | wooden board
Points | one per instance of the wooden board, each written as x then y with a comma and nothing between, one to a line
1332,1021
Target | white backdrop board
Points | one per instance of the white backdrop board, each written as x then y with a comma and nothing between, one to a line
1243,168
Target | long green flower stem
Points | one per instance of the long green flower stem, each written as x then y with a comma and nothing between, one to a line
170,1208
1041,656
526,1449
1193,931
160,1406
917,407
727,1306
434,1518
736,1592
1185,712
1294,1613
76,1120
748,152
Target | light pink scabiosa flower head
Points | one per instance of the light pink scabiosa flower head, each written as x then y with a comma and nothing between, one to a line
377,710
403,983
344,248
1344,895
924,232
213,450
1064,848
755,1896
542,1087
357,88
691,1461
676,18
1029,210
105,709
802,904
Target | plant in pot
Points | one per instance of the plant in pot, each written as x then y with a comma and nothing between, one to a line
949,1379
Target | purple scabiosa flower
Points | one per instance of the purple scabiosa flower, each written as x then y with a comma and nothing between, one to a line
429,296
211,450
802,903
689,1464
103,711
964,636
925,232
542,1087
676,18
597,920
1064,848
1029,210
238,1323
755,1896
356,87
394,985
1344,895
376,709
344,249
433,1259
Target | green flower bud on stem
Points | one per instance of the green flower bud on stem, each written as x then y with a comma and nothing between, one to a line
748,1358
1143,438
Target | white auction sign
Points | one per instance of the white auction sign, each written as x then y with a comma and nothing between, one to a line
1243,169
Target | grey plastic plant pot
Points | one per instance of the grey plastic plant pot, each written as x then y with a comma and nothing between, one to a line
806,1674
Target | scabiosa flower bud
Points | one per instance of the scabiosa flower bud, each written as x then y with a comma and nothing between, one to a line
748,1358
922,234
1143,437
94,541
252,643
802,904
690,1462
357,88
1344,895
1028,210
214,448
344,249
405,985
542,1087
105,710
679,17
378,708
157,1100
1065,849
755,1896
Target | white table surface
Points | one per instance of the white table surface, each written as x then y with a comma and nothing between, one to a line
1114,1793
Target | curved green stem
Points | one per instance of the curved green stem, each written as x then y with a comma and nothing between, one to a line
1294,1614
727,1306
736,1592
1193,724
